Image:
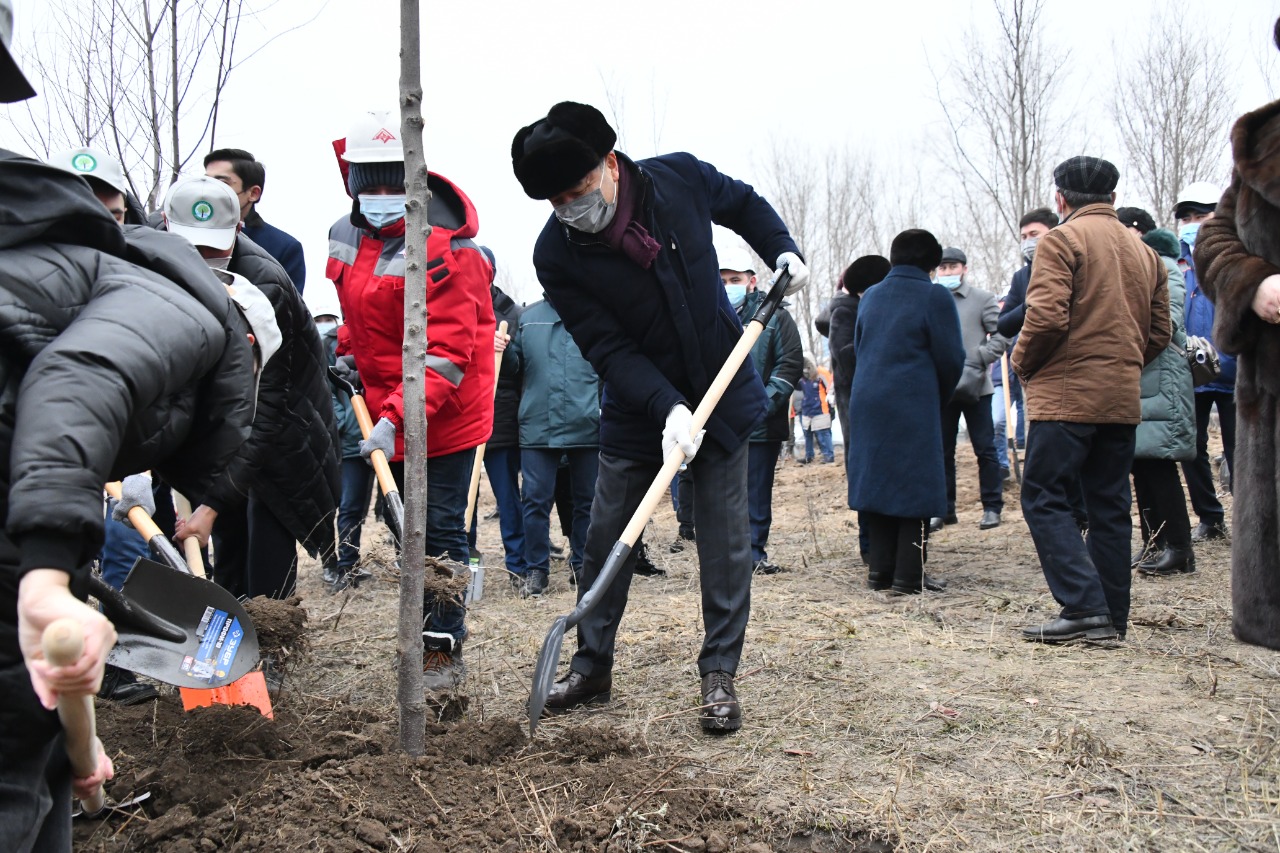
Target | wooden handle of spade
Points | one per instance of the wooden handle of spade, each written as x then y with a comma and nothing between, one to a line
63,643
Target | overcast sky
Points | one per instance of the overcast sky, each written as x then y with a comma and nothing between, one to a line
719,79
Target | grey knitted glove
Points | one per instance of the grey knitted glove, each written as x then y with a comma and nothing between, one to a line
381,437
135,490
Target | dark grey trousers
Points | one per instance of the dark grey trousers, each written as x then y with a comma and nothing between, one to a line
724,555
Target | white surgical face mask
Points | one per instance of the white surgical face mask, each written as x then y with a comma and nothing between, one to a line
326,327
218,263
1029,248
381,210
590,212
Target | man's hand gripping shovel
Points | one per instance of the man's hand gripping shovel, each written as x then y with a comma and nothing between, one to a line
549,658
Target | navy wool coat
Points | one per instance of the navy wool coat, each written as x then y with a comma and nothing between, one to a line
658,336
909,359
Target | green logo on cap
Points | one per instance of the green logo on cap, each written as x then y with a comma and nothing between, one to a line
202,211
84,163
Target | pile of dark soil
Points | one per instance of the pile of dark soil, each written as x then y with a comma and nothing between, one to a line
328,777
281,626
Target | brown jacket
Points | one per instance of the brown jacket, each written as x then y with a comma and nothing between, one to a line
1097,313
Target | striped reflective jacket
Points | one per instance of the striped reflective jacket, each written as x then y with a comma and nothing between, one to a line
366,266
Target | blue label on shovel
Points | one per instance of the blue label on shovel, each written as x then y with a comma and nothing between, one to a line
220,640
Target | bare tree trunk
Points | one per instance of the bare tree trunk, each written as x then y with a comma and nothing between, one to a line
417,230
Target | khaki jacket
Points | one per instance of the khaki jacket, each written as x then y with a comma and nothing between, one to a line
1097,313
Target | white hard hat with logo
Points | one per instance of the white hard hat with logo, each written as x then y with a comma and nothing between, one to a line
374,137
88,162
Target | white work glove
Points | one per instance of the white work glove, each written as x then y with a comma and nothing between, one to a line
799,272
135,490
678,432
831,397
381,437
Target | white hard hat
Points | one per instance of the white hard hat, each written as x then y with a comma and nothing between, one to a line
737,260
90,162
374,137
1202,194
322,299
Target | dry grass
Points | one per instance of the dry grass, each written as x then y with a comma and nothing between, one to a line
923,720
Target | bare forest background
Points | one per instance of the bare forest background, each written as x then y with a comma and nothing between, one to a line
145,80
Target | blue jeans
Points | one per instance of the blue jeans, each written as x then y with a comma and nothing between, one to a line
540,466
762,459
503,467
1087,576
121,547
448,479
357,484
1001,437
823,437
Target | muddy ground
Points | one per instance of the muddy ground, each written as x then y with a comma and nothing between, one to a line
872,723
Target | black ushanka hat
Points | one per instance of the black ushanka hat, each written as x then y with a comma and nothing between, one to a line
555,153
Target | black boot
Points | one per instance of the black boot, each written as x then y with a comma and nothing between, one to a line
123,687
1170,561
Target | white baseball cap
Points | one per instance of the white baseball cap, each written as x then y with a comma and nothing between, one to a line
92,163
204,210
736,260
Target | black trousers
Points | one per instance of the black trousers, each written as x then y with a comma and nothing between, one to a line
1199,474
724,555
977,417
1087,578
35,774
1162,506
254,554
899,548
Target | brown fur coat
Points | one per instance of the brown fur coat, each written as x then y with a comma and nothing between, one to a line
1235,251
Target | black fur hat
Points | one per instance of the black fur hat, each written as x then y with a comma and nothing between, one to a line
917,248
864,272
554,153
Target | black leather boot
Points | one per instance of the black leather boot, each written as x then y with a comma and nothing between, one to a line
720,709
1170,561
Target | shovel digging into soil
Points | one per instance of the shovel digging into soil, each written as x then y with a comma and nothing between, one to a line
549,657
172,626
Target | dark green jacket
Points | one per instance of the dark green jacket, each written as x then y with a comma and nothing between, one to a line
560,393
1168,428
778,355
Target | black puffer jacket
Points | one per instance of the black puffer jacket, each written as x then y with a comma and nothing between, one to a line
106,369
506,402
291,458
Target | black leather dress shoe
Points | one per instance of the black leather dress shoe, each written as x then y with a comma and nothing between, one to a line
576,690
878,581
935,524
720,709
1207,530
1170,561
1062,630
990,519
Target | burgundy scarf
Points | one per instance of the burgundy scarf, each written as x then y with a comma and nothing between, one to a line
625,233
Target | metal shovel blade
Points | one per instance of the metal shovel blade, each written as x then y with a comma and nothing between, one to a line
179,629
544,674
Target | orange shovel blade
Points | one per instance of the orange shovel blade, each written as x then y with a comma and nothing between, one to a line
250,689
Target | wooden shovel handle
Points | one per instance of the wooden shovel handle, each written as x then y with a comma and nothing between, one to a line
190,545
474,490
377,458
63,643
138,517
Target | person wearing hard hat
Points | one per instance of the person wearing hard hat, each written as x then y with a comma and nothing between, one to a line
627,258
110,366
778,355
284,485
1196,205
367,266
238,169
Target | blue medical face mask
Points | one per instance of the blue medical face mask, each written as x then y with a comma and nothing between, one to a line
737,293
1187,234
326,327
381,210
950,282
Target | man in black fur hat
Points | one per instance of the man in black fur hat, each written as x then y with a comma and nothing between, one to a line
628,261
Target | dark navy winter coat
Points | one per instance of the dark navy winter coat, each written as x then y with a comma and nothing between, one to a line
909,359
1014,310
279,245
658,336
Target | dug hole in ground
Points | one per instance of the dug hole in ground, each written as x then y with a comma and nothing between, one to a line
872,723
